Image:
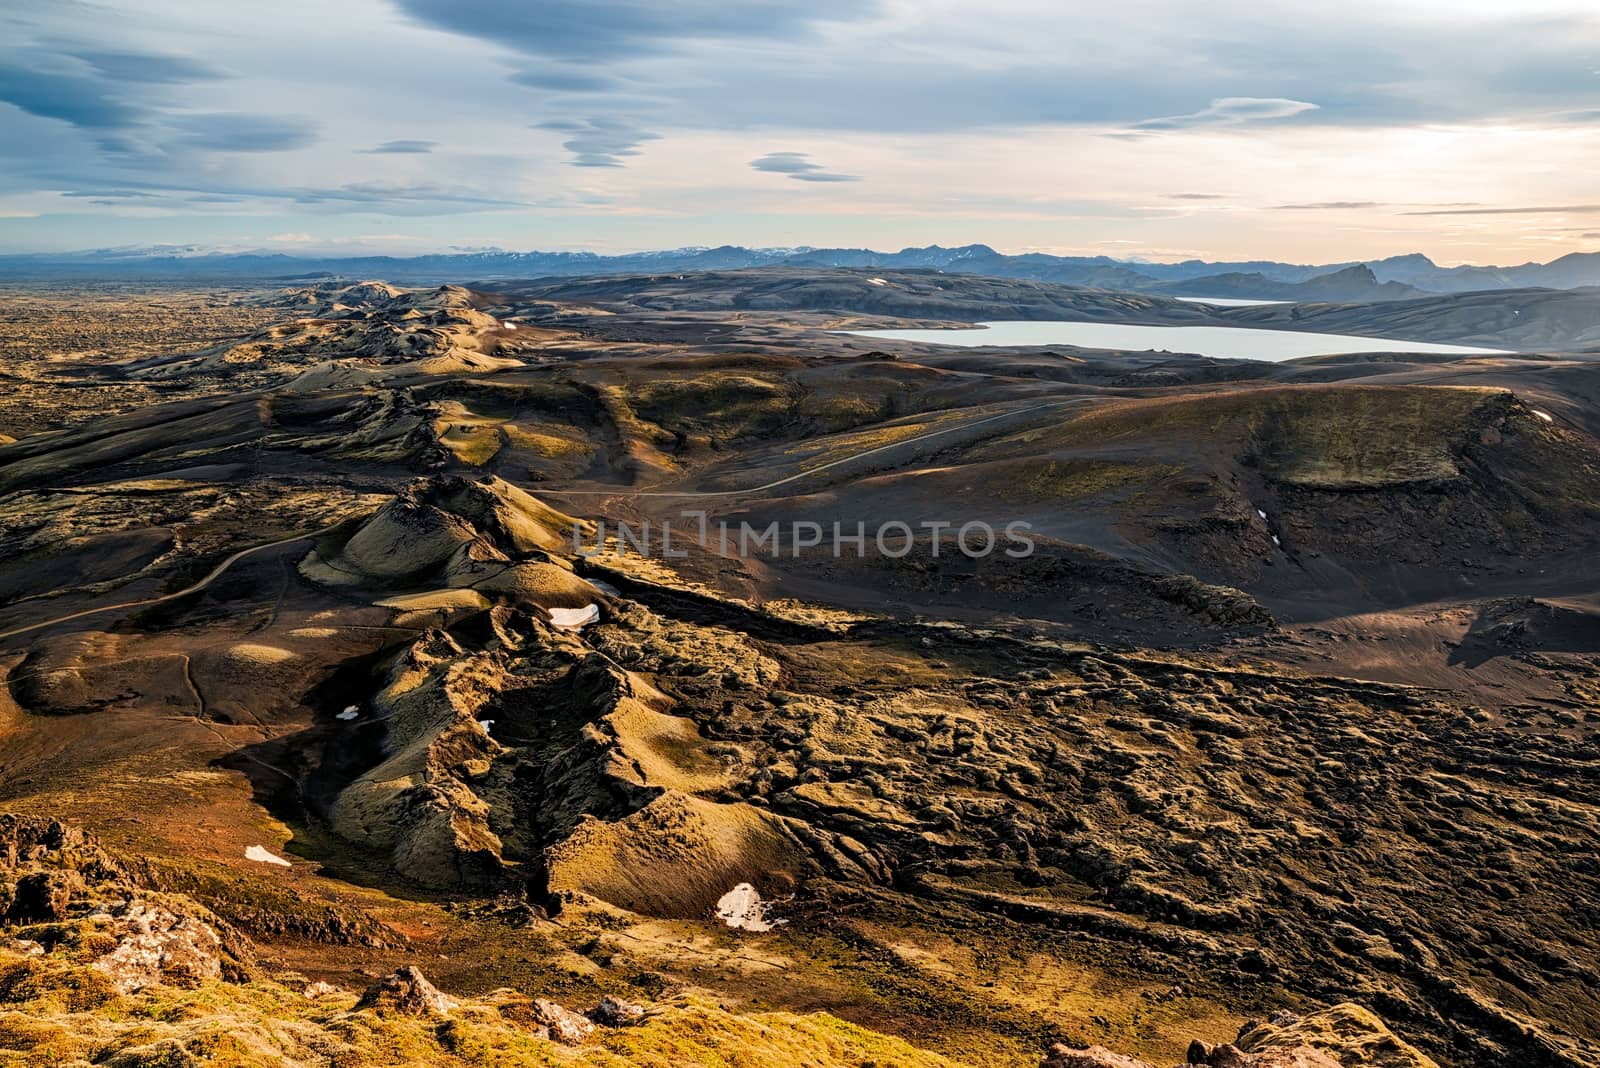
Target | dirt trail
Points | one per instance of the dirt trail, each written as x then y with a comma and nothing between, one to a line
212,576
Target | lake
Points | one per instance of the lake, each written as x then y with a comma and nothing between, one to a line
1222,342
1230,302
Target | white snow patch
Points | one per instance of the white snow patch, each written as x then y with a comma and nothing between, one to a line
1276,542
877,281
256,853
574,618
743,908
350,712
1546,416
1260,513
509,325
486,724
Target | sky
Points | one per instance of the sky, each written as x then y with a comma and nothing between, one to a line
1468,130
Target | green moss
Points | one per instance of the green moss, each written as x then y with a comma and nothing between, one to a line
721,404
1056,480
53,983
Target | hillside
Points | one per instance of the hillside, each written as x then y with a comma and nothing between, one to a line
381,756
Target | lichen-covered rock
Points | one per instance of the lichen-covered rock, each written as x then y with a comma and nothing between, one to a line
1350,1033
1231,1056
565,1026
1061,1056
406,991
155,945
615,1012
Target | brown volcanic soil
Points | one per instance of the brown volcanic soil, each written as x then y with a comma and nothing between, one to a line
1186,765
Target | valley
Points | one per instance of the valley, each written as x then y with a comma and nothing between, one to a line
1284,731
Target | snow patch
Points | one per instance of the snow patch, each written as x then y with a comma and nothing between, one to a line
574,618
1260,513
261,856
1276,542
350,712
877,281
1546,416
743,908
486,724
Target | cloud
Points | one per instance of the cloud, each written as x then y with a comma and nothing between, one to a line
798,165
153,68
227,132
85,102
1328,205
610,29
1568,209
112,194
566,80
599,142
90,88
1195,196
391,195
402,148
1231,111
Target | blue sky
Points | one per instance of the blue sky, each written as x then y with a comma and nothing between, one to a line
1150,128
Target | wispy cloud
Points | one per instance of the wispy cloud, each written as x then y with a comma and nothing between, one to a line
245,133
1568,209
1230,111
611,29
86,102
599,142
798,165
1328,205
151,68
402,148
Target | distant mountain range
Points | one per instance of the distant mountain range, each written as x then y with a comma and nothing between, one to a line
1393,278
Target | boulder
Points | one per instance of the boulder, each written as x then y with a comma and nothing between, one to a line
41,897
408,992
1231,1056
615,1012
1061,1056
564,1025
155,945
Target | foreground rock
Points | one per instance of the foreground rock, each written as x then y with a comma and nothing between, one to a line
155,945
1094,1057
1342,1036
615,1012
406,991
65,899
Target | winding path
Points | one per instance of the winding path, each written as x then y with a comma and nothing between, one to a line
217,572
211,576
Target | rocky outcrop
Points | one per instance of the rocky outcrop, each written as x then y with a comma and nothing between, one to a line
1353,1035
155,945
562,1024
66,895
615,1012
1343,1036
1061,1056
1231,1056
405,991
